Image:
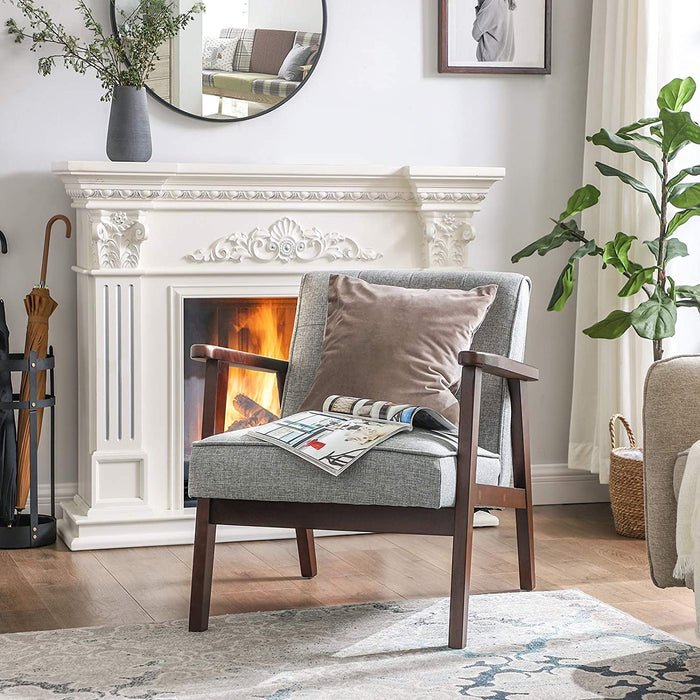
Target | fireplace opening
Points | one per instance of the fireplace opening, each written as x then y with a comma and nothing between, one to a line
258,325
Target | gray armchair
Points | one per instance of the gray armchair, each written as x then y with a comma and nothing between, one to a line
412,483
671,426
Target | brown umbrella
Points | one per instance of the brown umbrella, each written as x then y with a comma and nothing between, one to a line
40,306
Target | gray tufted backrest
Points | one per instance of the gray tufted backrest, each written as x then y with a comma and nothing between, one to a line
502,332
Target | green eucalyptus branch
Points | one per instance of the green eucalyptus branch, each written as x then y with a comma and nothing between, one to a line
669,133
127,60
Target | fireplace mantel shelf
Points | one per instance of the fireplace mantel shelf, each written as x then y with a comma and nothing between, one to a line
93,180
152,235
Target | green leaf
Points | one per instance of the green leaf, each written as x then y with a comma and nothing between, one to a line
609,171
620,145
584,198
565,284
679,130
656,318
562,289
695,170
691,294
647,121
676,94
681,218
616,252
673,248
685,196
641,137
557,237
637,281
612,326
689,303
656,131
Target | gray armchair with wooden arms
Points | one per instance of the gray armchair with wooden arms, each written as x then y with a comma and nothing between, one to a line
411,483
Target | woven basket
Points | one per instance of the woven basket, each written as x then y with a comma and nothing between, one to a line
626,484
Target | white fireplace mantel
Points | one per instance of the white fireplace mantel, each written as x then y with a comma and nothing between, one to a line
151,235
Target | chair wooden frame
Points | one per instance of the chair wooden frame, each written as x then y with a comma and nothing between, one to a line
456,522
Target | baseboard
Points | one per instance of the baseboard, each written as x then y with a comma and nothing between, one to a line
554,484
64,491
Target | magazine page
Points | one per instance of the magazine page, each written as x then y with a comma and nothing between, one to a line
417,416
330,441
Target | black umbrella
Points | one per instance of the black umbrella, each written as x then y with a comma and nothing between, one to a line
8,438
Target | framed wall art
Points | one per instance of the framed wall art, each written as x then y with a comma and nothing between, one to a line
495,36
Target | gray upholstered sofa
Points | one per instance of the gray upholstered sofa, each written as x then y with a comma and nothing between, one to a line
671,426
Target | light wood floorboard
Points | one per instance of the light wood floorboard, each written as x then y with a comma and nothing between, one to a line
576,547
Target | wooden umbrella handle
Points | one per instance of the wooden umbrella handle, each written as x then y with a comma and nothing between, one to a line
47,240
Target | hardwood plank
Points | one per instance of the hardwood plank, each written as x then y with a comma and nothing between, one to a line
21,607
157,580
74,589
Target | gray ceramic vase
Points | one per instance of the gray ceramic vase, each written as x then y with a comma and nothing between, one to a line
129,131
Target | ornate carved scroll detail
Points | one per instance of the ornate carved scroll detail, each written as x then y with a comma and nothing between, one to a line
284,241
447,237
117,237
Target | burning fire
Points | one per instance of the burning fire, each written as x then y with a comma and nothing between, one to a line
264,327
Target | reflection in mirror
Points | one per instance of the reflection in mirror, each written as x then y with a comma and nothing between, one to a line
238,58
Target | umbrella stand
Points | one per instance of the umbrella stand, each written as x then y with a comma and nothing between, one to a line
33,529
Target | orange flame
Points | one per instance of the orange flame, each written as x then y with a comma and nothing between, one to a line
264,327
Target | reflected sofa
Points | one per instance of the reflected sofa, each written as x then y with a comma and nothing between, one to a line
244,64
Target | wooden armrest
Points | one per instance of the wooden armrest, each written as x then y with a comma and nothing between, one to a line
499,365
238,358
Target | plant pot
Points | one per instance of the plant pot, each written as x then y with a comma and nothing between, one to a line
129,131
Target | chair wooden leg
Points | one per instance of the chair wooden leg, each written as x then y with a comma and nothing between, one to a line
202,567
307,552
522,479
459,587
470,405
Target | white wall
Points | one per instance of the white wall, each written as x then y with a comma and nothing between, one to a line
390,107
300,15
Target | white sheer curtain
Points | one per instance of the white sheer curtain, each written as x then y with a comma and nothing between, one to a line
625,70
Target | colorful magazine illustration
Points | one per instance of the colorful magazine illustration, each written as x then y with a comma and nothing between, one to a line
346,429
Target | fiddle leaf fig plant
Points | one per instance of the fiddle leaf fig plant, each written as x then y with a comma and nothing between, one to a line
127,60
657,141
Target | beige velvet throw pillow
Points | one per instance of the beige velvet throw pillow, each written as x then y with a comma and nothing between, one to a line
396,344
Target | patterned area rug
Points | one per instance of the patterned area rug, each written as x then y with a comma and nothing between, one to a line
563,645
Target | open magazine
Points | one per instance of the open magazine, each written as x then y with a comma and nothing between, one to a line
347,427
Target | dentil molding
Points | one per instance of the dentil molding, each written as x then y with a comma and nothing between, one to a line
117,237
284,241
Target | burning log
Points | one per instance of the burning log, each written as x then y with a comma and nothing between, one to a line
252,413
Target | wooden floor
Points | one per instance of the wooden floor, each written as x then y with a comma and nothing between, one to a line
576,547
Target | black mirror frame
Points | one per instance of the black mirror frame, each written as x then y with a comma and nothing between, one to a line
233,120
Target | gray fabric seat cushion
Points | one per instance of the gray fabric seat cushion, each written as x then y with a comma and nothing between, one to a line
415,468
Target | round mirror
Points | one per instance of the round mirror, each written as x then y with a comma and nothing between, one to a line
237,59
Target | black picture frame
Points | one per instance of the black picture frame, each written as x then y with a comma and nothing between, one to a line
229,120
444,42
